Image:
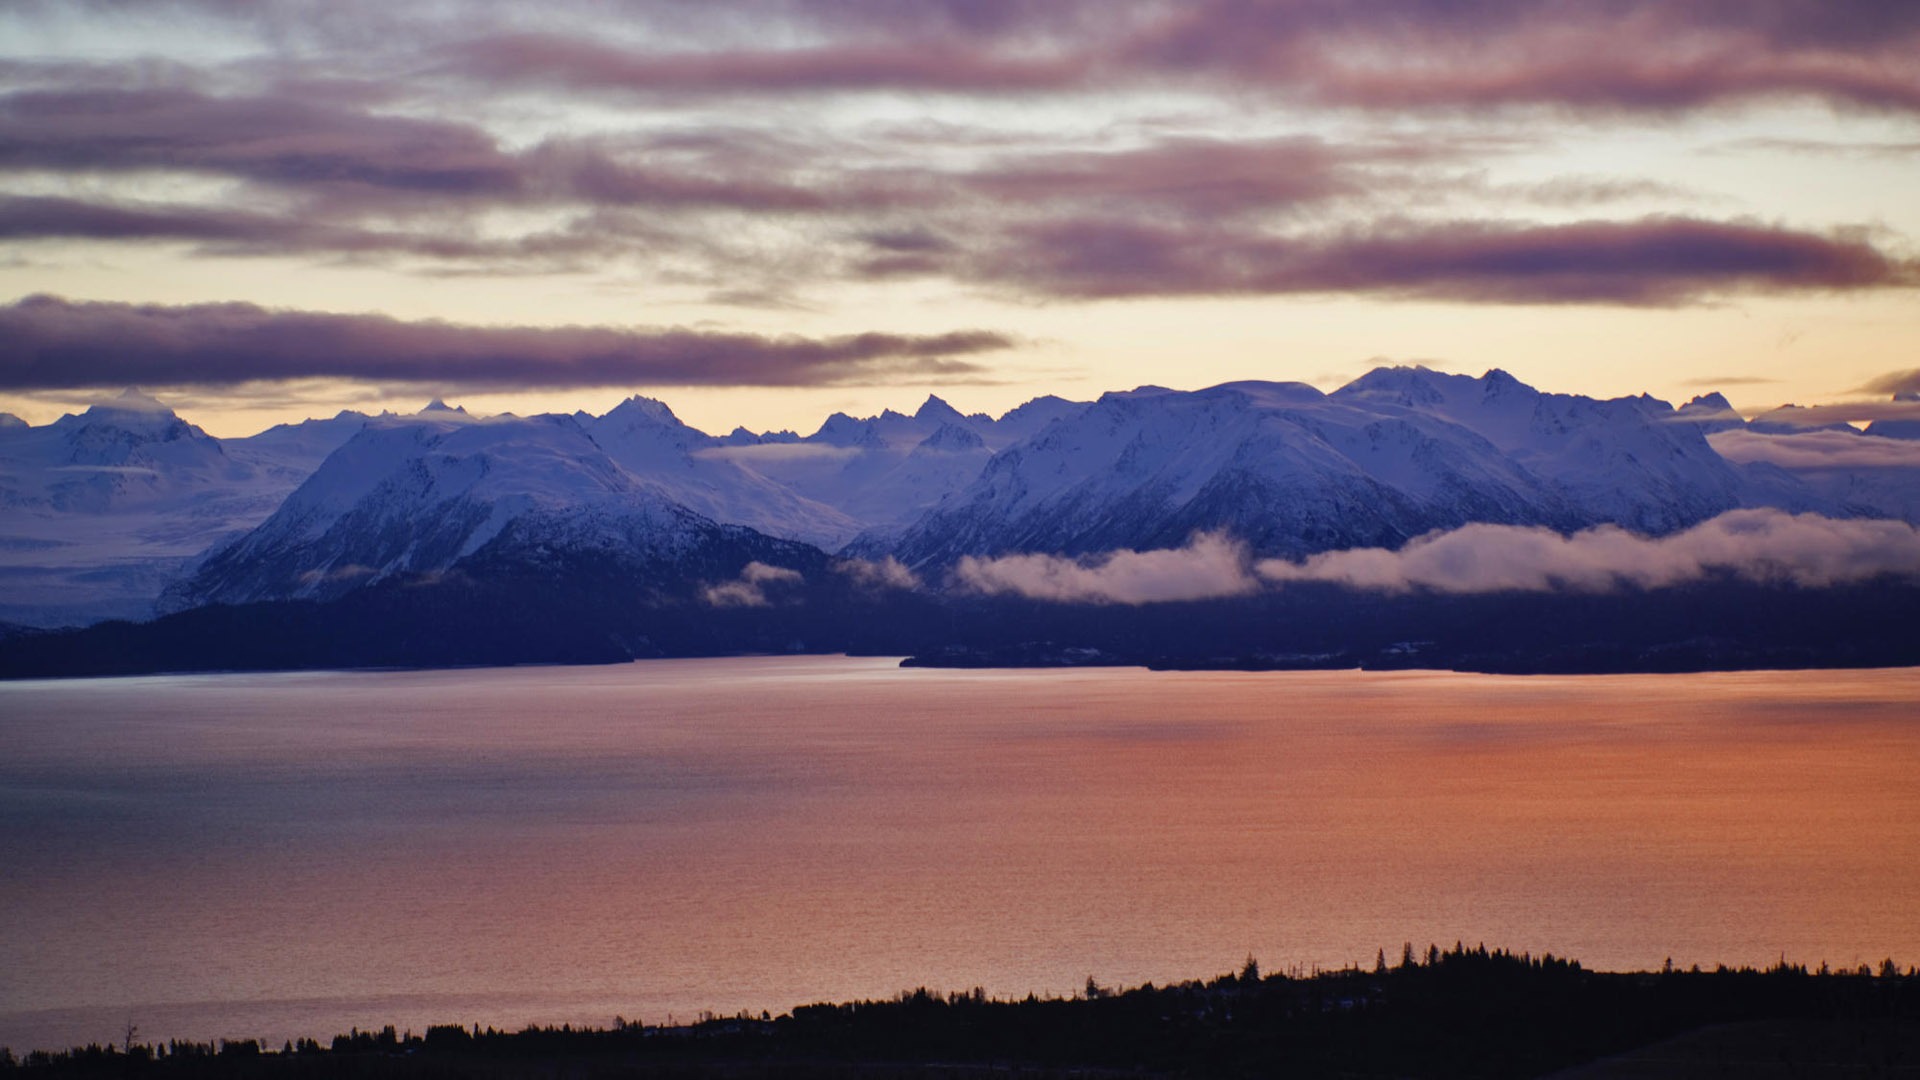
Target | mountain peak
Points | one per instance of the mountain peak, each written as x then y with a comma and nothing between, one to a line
1499,382
439,406
1403,384
1712,411
936,409
10,422
645,408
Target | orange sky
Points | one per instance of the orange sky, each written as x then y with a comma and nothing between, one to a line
802,206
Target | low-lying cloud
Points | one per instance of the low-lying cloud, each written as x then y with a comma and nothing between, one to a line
1817,450
1766,546
887,573
1761,546
1209,567
750,588
50,343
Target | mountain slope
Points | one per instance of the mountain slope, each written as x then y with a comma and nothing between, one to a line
646,439
424,495
98,511
1292,471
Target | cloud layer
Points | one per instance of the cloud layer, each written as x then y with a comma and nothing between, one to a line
50,343
1762,546
1209,567
721,146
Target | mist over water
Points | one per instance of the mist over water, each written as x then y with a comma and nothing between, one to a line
293,854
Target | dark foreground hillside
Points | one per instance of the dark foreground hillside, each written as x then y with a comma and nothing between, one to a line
1466,1012
603,615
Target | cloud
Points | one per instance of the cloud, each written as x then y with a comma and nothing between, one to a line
1817,450
1630,55
887,573
1205,177
779,453
48,342
1652,261
749,589
1712,381
578,64
1898,383
1210,566
269,139
361,160
1640,55
1753,545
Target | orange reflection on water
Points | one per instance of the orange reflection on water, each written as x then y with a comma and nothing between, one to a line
546,844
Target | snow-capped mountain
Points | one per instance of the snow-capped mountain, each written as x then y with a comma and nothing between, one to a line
292,452
422,495
104,509
1793,461
885,471
99,510
1397,453
1622,460
650,442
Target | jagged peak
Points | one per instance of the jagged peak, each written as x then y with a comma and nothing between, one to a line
439,406
639,407
1499,383
1712,412
840,428
1409,384
1714,402
935,409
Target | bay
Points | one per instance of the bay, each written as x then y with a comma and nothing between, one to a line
286,855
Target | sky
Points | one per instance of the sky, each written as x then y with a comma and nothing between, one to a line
764,211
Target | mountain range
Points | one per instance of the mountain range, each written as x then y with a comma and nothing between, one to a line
126,511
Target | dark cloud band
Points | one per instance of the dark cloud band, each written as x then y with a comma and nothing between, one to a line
1649,262
51,343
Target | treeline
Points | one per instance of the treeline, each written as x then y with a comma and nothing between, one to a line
1460,1012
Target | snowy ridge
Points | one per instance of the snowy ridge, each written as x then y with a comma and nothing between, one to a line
1397,453
105,509
417,495
645,438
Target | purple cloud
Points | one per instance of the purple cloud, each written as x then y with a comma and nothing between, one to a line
260,138
50,343
1899,383
582,65
1625,54
1651,261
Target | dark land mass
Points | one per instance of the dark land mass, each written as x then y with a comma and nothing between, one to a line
1465,1012
583,614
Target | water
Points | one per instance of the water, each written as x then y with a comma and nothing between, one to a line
274,856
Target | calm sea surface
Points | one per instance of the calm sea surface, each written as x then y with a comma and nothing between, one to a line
293,854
